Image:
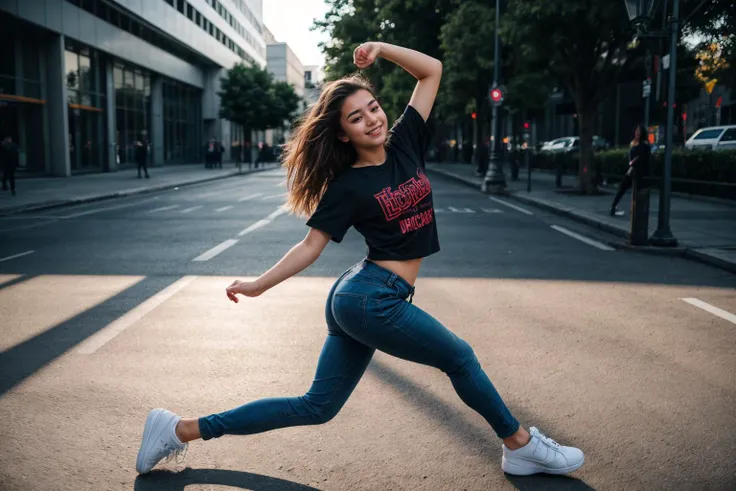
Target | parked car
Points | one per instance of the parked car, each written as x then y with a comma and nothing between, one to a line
713,138
566,144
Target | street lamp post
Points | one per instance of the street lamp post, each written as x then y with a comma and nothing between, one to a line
640,13
494,180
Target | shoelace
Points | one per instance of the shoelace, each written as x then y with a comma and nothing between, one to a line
177,454
544,439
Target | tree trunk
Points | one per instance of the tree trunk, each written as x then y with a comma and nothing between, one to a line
586,172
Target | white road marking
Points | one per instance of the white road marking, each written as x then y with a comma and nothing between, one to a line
517,208
206,256
281,195
262,223
250,196
579,237
191,209
102,337
460,210
16,255
491,210
723,314
224,208
163,208
98,210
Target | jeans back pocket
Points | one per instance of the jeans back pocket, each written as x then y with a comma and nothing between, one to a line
348,308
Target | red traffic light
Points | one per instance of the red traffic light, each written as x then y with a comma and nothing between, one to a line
496,95
473,115
526,125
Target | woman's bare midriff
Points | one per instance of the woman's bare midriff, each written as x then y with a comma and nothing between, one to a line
408,270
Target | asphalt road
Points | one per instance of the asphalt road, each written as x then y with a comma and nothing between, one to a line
120,308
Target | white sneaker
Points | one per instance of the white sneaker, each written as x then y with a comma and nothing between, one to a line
541,454
159,440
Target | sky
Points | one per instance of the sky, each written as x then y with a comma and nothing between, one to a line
290,20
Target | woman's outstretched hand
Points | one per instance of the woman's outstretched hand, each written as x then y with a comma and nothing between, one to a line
365,54
246,288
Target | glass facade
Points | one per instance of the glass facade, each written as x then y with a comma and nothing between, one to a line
182,122
132,110
21,102
85,81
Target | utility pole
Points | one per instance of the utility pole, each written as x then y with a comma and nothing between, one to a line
494,181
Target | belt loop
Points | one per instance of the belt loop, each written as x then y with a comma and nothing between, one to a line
411,295
392,279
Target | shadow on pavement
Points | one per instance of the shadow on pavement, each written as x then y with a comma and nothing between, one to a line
24,359
484,442
161,480
544,482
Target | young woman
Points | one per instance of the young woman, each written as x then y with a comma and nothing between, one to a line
346,168
639,154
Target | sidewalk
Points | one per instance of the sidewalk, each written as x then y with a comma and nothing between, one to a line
39,193
705,231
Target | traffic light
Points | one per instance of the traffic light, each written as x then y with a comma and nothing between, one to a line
526,125
473,115
496,95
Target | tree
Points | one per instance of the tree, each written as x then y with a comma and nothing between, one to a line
414,25
712,22
250,98
584,45
468,54
468,67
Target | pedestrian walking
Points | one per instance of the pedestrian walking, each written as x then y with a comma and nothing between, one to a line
141,157
346,168
8,162
639,156
210,154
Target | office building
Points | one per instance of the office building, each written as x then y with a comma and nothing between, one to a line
82,80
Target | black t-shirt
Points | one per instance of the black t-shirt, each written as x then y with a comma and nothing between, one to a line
390,205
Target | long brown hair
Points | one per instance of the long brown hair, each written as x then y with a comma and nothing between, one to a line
314,155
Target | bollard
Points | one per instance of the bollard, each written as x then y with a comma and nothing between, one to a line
639,221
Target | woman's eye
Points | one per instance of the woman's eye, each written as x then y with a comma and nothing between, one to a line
374,109
356,120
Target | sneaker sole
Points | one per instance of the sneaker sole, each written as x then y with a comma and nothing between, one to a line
528,469
151,421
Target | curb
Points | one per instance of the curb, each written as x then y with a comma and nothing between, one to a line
119,194
684,252
711,259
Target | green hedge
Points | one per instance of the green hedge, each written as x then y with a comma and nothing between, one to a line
690,165
699,165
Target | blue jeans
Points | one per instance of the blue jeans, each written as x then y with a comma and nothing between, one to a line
367,310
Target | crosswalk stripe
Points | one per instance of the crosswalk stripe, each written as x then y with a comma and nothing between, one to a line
163,208
517,208
579,237
250,196
492,210
723,314
281,195
192,209
109,332
16,255
224,208
262,223
206,256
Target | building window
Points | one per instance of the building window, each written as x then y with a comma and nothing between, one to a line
84,78
198,19
180,6
182,112
132,110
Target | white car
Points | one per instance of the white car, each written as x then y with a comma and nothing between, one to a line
566,144
713,138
